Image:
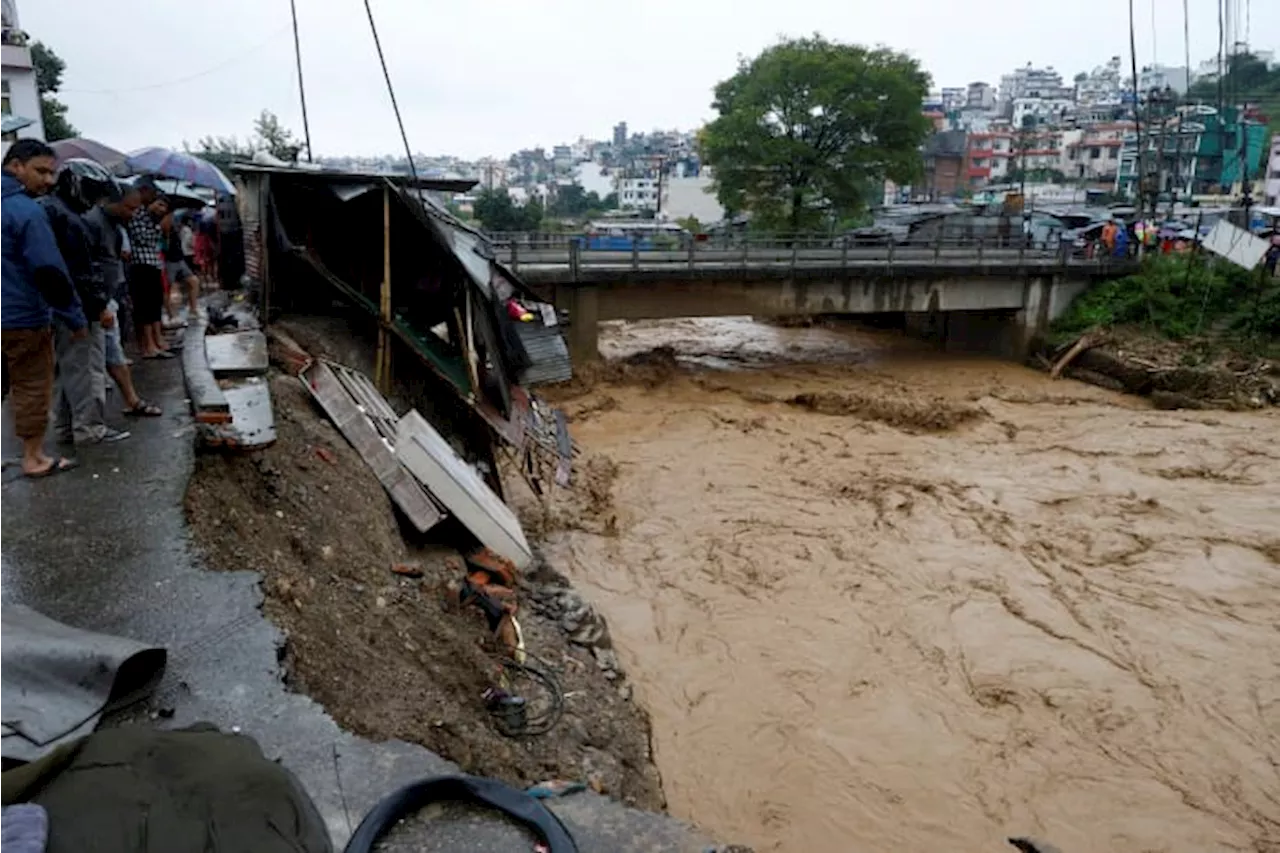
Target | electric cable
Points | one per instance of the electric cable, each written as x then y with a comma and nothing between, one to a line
391,91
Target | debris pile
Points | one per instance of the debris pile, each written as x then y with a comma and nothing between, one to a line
1173,374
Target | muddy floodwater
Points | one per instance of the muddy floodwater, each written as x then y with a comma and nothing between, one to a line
879,598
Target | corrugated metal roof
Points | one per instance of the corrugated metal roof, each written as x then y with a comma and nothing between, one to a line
548,354
456,185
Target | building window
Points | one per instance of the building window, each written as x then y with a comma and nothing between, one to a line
1111,154
1095,153
4,98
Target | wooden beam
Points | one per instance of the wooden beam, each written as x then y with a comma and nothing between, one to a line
382,368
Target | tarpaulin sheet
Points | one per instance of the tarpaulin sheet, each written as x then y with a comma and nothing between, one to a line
56,681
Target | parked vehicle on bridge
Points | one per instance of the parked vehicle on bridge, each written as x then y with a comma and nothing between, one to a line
644,235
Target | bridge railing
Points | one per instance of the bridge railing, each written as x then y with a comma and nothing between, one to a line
943,247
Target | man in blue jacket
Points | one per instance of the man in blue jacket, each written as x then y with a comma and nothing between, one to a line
34,288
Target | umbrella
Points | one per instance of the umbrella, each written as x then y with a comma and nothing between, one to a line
178,164
89,149
179,197
12,123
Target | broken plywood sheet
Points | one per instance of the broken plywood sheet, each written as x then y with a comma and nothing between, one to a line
414,501
237,353
462,491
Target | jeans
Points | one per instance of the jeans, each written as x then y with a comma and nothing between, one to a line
113,351
80,389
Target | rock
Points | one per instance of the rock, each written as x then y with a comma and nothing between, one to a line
380,601
607,660
625,691
326,552
602,772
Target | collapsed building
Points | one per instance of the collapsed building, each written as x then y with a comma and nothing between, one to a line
455,334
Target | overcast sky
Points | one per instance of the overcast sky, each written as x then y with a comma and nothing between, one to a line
487,77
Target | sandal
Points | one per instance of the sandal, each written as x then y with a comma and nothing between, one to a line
57,466
159,354
143,409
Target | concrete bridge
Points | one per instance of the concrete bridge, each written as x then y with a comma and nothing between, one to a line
970,293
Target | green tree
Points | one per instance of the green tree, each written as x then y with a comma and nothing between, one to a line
53,113
805,127
274,138
496,212
269,135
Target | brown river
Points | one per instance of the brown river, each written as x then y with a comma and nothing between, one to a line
876,597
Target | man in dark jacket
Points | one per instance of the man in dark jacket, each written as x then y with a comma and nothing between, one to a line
34,288
80,395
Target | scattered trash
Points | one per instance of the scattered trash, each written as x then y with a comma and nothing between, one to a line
326,552
327,455
409,570
279,514
554,788
380,601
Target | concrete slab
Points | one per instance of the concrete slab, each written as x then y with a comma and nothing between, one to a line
237,353
105,547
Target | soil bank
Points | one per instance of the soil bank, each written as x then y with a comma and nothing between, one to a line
874,597
381,652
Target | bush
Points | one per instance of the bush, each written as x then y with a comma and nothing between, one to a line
1180,296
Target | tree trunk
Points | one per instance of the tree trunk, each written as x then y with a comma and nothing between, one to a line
797,199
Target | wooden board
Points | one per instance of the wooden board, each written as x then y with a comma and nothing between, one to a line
460,489
407,493
237,353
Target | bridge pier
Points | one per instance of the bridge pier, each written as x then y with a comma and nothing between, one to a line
583,302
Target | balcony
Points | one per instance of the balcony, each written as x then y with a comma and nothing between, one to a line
15,56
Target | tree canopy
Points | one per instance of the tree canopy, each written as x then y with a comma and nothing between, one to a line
808,127
497,212
572,201
269,135
53,113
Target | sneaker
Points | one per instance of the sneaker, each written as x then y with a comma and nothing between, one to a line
112,435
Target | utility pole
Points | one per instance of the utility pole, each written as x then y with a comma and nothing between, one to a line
1141,162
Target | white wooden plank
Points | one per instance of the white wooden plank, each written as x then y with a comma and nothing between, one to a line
454,483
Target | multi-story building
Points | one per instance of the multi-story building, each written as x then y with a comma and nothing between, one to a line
620,134
944,164
1196,152
1028,82
1271,189
980,96
21,98
1102,85
987,157
1038,111
1164,77
953,98
683,197
638,193
1092,154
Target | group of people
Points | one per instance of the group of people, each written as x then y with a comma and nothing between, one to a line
83,255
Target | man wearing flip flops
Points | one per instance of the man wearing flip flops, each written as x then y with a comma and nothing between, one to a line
34,288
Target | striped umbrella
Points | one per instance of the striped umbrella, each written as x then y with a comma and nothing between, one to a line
181,166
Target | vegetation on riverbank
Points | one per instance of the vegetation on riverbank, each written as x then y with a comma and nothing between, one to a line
1184,297
1186,331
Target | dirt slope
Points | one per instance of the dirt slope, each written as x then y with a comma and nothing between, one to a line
380,652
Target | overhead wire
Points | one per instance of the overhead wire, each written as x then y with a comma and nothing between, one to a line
186,79
391,91
302,89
